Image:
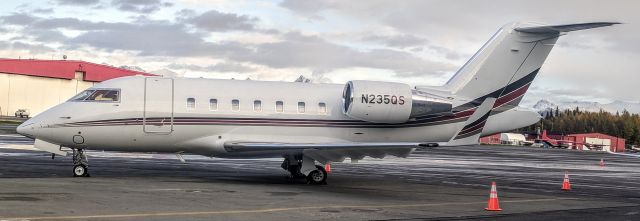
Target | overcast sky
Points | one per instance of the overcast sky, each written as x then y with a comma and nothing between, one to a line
418,42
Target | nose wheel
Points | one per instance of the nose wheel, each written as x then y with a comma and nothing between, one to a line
80,163
80,171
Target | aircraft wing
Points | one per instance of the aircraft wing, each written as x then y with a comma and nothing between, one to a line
261,146
332,152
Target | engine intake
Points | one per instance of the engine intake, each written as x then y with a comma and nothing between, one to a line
387,102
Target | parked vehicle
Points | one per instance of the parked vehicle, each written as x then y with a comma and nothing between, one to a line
22,113
632,149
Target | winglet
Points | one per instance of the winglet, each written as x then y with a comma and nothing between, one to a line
564,28
470,133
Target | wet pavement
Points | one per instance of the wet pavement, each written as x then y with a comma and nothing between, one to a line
436,184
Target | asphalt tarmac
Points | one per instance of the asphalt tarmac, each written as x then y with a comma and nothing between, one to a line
436,184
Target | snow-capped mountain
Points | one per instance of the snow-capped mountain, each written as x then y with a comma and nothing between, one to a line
619,106
543,105
303,79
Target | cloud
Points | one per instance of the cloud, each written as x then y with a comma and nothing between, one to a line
305,6
378,39
219,67
34,22
77,2
297,50
173,39
309,8
76,24
457,28
33,49
148,39
448,53
216,21
17,19
294,51
398,41
566,91
42,10
140,6
46,36
471,20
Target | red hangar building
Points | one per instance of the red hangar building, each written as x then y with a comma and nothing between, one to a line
583,141
36,85
607,142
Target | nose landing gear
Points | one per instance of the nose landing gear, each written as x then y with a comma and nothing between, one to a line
80,163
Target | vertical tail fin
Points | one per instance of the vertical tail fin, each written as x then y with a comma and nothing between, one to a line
498,75
505,66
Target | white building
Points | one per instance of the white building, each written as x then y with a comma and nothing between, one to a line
512,139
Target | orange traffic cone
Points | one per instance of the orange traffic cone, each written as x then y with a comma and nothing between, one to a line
601,162
566,186
327,167
493,204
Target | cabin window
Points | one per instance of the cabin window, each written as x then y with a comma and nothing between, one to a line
322,108
279,106
191,103
257,105
235,104
213,104
105,95
301,108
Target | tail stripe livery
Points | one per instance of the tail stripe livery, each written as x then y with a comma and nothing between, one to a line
472,129
517,89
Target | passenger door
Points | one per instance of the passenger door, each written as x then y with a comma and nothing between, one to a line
158,105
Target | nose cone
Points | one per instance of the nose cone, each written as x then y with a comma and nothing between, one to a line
27,128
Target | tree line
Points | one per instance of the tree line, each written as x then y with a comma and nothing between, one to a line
624,125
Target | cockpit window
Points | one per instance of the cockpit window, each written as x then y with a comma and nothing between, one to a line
82,95
99,95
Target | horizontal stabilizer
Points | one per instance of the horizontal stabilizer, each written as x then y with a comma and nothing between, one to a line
563,28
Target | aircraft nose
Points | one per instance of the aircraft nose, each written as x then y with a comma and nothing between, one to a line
27,129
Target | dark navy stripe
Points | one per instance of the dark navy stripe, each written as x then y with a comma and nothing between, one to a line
474,127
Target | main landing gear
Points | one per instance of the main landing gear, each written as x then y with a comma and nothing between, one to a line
301,166
80,163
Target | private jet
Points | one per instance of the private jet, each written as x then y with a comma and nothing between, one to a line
305,124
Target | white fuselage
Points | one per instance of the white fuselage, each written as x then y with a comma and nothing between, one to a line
179,115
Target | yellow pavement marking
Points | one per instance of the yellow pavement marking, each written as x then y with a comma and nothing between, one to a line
268,210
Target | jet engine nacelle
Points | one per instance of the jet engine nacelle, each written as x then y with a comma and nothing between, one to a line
386,102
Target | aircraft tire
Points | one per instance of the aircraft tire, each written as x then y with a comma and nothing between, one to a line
318,176
80,171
